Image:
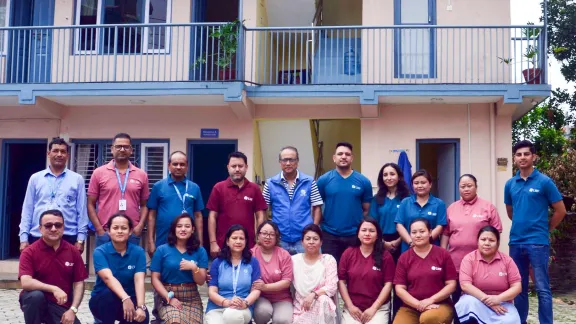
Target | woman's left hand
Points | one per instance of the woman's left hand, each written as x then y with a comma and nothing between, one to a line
424,303
368,314
188,265
237,303
308,301
491,300
139,315
259,285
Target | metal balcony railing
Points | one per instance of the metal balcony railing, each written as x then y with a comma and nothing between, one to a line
409,54
413,54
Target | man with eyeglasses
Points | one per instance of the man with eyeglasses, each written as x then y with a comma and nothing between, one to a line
55,187
118,187
294,200
52,273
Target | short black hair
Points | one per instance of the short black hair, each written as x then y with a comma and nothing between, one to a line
274,227
345,144
226,253
523,144
469,176
53,212
177,152
193,243
122,135
312,228
238,155
58,141
491,229
421,173
420,219
289,148
109,222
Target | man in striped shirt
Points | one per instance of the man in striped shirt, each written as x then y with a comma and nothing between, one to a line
294,200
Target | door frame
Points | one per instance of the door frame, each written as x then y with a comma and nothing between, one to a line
5,221
190,151
456,142
432,13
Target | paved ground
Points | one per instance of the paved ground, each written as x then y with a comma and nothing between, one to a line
10,309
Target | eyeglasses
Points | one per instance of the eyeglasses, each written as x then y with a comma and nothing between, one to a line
268,235
49,226
284,161
122,147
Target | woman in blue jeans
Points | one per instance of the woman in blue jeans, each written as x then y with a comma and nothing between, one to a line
121,267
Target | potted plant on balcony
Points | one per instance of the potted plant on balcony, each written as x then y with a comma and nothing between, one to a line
531,74
226,37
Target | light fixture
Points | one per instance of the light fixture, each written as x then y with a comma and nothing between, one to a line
137,102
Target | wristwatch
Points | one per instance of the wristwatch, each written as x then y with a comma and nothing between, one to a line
80,241
246,302
143,307
74,309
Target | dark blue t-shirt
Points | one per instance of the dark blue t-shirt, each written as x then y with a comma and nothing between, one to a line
434,211
386,213
123,267
167,260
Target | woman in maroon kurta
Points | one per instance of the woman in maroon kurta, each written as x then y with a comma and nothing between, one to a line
425,278
366,272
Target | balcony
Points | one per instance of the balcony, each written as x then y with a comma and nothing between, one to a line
358,55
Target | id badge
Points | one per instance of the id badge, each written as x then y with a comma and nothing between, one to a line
122,204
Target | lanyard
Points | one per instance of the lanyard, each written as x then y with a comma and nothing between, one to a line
122,186
235,275
182,198
56,185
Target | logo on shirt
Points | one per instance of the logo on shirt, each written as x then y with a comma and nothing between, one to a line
131,267
247,198
69,264
375,268
277,271
133,181
397,206
534,190
502,274
303,192
435,268
356,187
431,213
69,198
476,216
245,271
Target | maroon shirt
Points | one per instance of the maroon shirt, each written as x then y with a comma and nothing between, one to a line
60,268
363,280
425,277
236,206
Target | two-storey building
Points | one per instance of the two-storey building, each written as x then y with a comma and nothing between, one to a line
439,79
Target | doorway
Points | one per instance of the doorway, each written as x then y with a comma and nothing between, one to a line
441,158
202,46
20,159
31,53
208,160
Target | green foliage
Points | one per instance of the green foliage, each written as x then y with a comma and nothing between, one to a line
561,35
227,44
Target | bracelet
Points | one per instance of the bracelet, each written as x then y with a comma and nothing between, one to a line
197,270
223,301
125,298
315,293
213,241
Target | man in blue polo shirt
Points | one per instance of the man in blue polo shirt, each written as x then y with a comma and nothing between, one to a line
294,199
527,197
347,195
170,198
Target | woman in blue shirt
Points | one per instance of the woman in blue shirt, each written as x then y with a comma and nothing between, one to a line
121,268
178,267
232,275
391,190
421,204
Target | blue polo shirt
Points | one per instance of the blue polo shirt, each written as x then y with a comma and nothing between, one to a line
123,267
221,272
530,199
343,198
386,213
167,260
168,205
434,211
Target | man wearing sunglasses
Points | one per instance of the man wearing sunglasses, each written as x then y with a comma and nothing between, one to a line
52,274
55,187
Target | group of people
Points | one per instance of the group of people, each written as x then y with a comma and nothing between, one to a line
399,256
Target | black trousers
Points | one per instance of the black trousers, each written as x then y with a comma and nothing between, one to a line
335,245
68,238
107,308
38,310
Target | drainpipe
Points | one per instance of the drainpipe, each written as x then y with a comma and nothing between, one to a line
493,152
469,142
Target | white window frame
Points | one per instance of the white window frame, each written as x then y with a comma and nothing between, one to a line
99,17
143,148
6,32
78,29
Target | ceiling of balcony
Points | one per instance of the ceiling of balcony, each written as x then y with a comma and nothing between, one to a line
173,100
284,13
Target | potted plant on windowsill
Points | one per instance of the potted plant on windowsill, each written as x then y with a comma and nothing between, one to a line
226,37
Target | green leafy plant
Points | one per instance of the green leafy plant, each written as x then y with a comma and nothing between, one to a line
226,37
531,52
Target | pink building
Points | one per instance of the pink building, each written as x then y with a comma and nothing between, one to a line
440,79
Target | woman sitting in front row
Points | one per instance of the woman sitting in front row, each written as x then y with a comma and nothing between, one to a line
490,280
425,278
366,272
178,268
232,274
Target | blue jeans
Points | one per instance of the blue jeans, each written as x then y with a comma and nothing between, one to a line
536,255
292,248
106,238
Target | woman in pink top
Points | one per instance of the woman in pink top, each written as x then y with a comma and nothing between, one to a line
465,218
275,302
490,281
